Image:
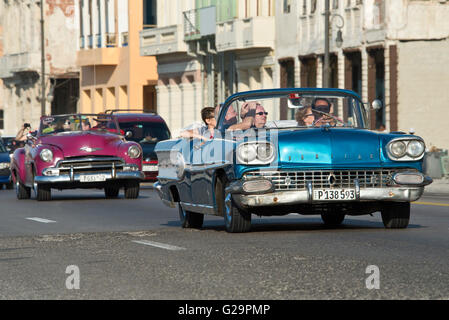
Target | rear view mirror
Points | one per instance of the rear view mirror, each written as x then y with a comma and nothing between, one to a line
295,101
377,104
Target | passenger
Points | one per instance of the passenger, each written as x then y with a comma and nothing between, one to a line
51,128
230,117
247,114
22,134
60,125
304,117
207,131
85,125
67,125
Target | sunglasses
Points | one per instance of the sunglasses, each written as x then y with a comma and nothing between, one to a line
262,113
325,109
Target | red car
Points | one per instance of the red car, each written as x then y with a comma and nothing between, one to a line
147,129
77,151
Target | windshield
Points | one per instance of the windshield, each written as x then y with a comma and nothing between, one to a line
145,132
64,124
294,110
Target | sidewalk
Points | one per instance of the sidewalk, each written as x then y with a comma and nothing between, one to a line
438,186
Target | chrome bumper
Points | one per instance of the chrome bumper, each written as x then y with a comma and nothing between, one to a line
305,197
75,177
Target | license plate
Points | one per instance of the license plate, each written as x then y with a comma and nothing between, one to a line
93,178
334,194
149,168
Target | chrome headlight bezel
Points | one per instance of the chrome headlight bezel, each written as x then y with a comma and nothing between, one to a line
407,145
133,152
255,153
46,155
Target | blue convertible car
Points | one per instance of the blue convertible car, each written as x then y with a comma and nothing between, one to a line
281,151
5,171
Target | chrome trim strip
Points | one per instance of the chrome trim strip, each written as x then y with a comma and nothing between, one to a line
205,209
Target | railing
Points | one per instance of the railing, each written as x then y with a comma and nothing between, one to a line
190,23
82,42
98,40
90,41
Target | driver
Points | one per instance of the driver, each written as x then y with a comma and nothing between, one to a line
322,109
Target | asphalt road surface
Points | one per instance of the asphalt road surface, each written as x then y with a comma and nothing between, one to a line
83,246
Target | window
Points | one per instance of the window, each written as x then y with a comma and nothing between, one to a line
304,7
149,13
2,126
287,4
335,4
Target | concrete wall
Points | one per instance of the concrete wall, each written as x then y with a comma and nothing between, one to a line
423,82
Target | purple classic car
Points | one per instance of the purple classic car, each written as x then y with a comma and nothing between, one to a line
77,151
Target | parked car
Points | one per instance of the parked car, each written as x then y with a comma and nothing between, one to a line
321,160
10,143
5,172
147,129
77,151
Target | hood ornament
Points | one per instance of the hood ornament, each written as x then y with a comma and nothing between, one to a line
89,149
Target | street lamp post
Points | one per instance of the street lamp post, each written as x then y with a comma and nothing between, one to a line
42,61
338,41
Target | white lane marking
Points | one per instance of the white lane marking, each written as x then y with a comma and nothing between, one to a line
41,220
158,245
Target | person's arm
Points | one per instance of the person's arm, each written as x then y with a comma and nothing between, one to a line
193,133
247,122
21,135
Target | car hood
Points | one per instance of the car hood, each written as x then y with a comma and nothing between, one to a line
329,147
4,157
84,144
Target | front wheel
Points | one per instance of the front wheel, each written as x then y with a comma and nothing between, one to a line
132,190
111,192
396,215
22,192
190,219
43,193
235,219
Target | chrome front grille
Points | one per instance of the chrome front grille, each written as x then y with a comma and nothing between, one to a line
323,179
91,164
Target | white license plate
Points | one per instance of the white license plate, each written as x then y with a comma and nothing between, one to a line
93,178
149,168
334,194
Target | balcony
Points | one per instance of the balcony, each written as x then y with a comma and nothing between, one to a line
199,23
19,62
254,32
98,56
162,41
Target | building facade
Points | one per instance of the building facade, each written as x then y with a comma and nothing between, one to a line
113,73
20,65
395,51
208,50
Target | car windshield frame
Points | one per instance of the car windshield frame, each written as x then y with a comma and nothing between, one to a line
358,107
45,120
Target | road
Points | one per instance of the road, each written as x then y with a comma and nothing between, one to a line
135,249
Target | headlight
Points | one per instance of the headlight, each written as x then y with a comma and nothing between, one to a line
398,149
4,165
415,148
255,153
133,152
247,152
264,152
46,155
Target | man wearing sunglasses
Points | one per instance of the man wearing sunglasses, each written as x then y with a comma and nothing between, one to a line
322,110
260,119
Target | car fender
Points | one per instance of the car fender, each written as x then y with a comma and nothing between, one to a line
18,169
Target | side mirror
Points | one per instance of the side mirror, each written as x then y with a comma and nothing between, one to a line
128,134
377,104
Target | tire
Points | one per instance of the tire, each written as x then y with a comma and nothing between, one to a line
111,192
236,220
9,186
22,192
396,215
190,219
132,190
43,192
333,218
